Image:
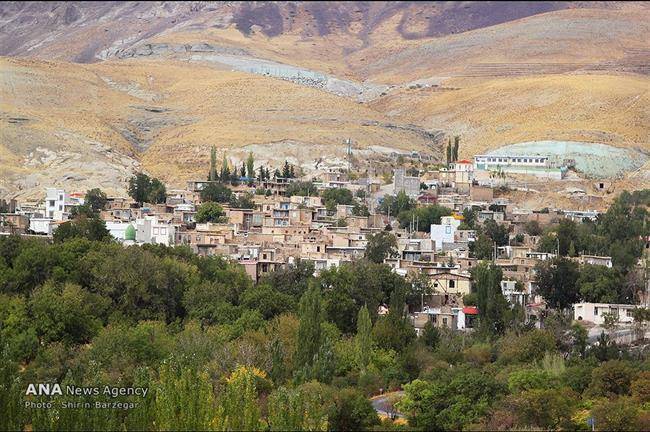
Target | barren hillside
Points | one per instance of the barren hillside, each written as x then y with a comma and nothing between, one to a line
67,123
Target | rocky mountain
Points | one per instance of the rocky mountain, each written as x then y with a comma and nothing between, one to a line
93,91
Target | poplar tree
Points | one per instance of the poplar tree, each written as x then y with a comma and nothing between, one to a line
309,330
456,146
225,170
250,165
302,408
492,305
238,409
363,339
184,398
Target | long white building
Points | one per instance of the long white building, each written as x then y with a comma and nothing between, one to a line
541,166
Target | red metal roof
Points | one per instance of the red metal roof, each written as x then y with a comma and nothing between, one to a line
470,310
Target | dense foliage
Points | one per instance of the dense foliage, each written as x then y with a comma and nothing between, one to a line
296,351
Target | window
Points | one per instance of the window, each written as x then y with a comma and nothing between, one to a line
444,322
52,203
595,311
452,283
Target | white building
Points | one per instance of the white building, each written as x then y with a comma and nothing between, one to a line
445,231
510,292
593,312
535,165
55,203
596,260
150,230
42,225
58,203
118,229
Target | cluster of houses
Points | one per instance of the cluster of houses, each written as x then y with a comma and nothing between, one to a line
279,230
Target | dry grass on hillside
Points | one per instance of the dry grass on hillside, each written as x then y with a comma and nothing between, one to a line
489,113
177,110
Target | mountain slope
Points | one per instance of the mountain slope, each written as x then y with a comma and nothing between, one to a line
97,121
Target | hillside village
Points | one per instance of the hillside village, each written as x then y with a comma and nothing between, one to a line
431,227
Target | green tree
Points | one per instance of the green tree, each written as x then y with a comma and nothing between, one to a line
352,411
363,339
380,246
451,404
396,204
250,165
93,229
491,304
430,335
333,197
497,232
599,284
139,187
424,216
142,189
238,408
68,313
301,189
611,378
157,192
11,395
267,301
545,408
557,282
212,175
455,148
393,331
96,199
482,248
17,329
310,335
210,212
360,210
184,398
616,415
243,201
216,192
303,408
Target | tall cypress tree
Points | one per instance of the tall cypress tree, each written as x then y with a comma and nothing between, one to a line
363,339
212,176
456,146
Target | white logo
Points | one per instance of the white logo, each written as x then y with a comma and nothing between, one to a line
44,390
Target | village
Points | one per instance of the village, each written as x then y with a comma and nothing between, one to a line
267,222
